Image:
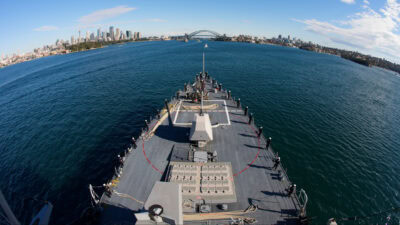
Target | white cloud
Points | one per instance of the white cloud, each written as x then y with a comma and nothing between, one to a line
46,28
366,2
348,1
368,30
103,14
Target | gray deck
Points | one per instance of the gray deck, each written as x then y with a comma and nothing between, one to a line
256,183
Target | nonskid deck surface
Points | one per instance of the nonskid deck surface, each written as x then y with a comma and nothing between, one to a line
235,141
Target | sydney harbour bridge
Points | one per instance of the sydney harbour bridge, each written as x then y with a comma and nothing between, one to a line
200,34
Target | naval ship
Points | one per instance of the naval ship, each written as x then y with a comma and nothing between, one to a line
200,160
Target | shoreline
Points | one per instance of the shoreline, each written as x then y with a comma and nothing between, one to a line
67,50
355,57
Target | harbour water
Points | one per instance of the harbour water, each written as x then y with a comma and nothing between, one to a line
335,124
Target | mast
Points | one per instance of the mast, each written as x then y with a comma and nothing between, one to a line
205,46
203,62
201,109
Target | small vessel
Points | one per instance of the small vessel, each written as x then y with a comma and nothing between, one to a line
201,160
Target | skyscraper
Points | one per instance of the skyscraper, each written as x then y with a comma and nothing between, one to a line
117,34
129,34
104,36
92,38
98,34
72,40
112,33
87,36
79,37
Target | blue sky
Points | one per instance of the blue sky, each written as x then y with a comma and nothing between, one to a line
370,27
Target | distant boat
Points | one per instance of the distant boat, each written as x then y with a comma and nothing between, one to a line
206,46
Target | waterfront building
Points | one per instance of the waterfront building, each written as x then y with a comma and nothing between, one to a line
87,36
112,33
280,37
137,35
79,37
72,40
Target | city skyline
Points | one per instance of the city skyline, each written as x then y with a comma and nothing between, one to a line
370,27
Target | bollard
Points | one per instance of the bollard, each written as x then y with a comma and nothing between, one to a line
147,125
229,94
134,145
260,129
238,103
268,142
251,118
246,110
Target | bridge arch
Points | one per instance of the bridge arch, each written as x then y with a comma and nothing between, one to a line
209,32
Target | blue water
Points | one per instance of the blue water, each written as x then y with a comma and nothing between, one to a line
335,124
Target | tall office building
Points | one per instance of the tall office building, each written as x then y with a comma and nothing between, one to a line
98,34
112,33
72,40
117,34
104,36
129,34
280,37
92,38
288,37
87,36
79,37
